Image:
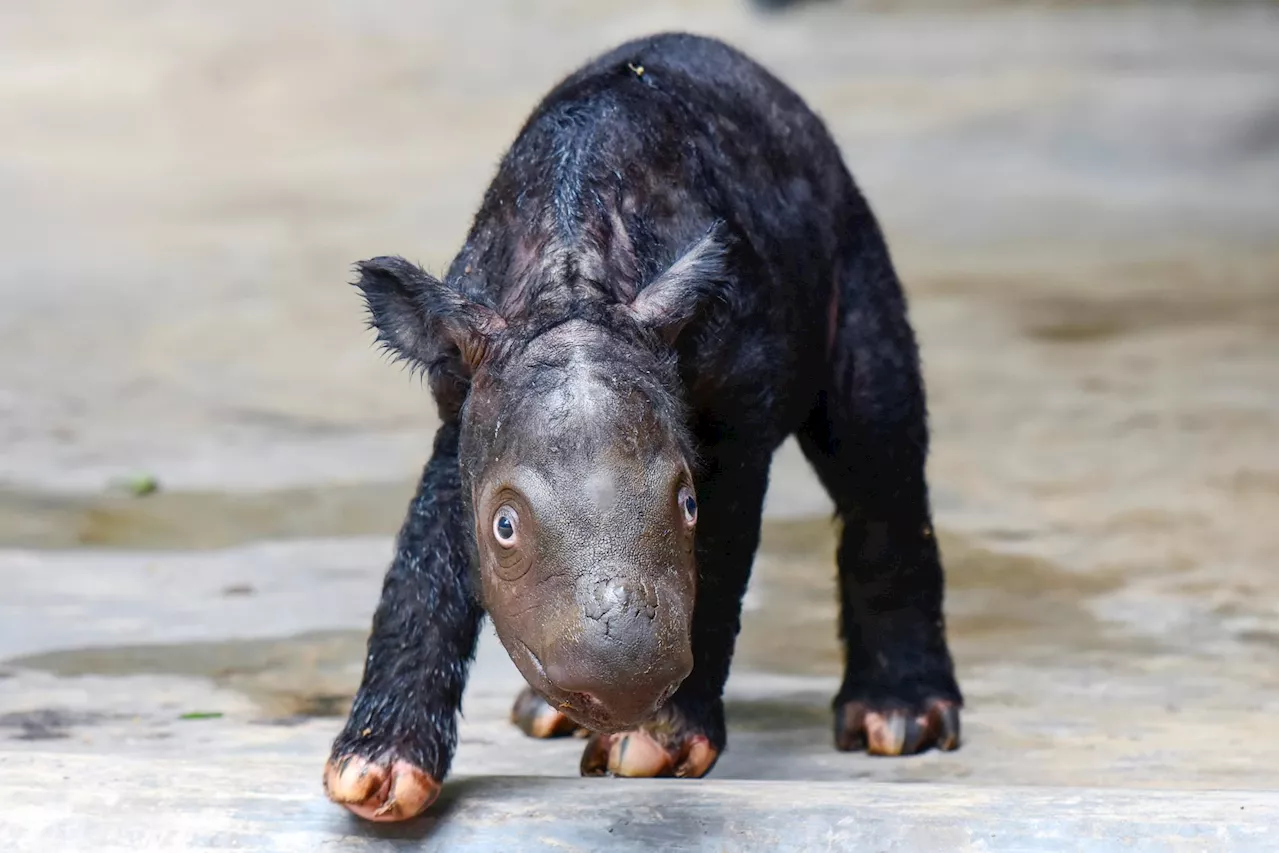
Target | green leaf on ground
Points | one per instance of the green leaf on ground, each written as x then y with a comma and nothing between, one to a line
138,485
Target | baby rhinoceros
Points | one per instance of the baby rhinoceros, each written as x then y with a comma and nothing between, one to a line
671,273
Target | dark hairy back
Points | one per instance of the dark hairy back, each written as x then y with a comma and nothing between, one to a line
630,160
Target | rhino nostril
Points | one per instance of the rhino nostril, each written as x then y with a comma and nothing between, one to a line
568,678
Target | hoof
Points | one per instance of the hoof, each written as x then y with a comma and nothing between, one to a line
860,725
533,716
642,754
387,789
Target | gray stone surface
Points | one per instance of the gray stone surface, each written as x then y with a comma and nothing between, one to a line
1082,204
169,804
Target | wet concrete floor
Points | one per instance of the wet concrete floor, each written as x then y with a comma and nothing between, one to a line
1082,205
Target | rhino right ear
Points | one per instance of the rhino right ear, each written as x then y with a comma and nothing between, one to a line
423,320
671,300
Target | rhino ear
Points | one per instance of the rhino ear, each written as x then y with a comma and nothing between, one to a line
424,321
674,298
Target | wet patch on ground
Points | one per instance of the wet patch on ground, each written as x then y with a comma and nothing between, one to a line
779,714
292,678
1079,319
47,723
1079,305
999,604
198,520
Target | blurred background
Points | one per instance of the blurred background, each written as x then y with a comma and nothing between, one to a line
202,458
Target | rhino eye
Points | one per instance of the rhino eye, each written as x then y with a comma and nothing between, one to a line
505,522
688,505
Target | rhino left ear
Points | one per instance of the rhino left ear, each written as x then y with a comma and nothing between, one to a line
671,300
423,320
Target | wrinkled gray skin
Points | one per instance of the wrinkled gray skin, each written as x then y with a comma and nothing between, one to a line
593,595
